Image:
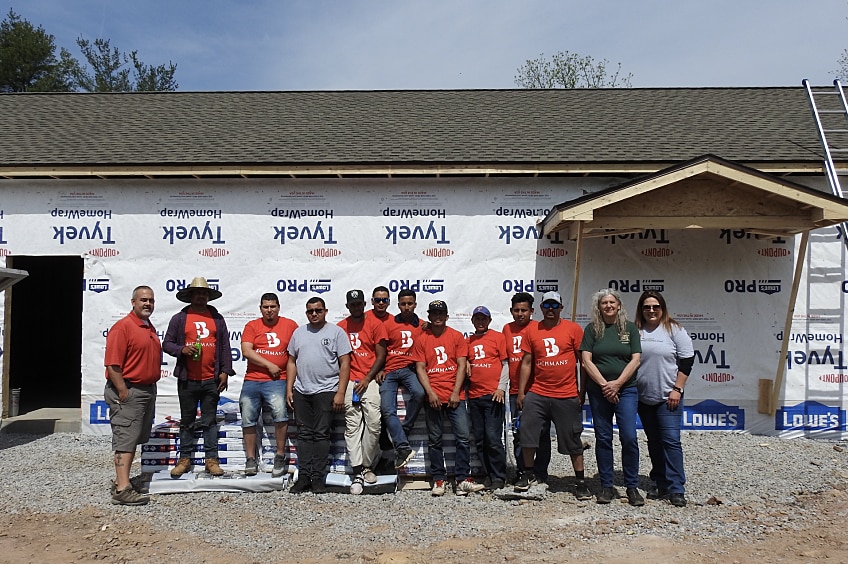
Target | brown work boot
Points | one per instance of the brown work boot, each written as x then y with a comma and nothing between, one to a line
183,466
214,467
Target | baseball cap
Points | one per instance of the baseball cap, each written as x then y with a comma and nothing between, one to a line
437,305
481,309
354,296
552,296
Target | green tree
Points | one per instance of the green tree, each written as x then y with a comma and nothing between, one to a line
28,60
570,70
110,70
842,71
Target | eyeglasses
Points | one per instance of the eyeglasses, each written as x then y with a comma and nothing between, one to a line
551,306
651,307
380,300
315,311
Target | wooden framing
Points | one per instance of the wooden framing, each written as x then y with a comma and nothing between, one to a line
323,169
723,195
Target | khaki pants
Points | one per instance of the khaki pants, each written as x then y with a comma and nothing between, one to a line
362,425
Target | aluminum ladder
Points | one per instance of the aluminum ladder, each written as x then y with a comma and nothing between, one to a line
831,117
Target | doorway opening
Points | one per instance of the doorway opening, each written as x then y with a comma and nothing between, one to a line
44,323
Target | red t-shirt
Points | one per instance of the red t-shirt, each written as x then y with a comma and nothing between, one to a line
440,355
364,335
402,337
134,345
271,343
555,354
486,354
514,336
201,326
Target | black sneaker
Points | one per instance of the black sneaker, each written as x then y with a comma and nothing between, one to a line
280,466
607,495
525,482
402,456
581,491
497,484
250,467
656,493
634,498
318,486
677,499
303,484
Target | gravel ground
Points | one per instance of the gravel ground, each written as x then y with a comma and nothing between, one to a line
740,487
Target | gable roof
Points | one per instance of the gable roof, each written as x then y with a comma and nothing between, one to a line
706,192
384,132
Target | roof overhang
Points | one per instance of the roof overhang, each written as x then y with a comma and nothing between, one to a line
353,170
705,193
10,276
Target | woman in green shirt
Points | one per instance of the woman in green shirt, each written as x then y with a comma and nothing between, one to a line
610,354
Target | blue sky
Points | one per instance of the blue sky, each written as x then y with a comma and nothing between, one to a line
447,44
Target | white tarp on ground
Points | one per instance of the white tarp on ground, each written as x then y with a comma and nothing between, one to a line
466,241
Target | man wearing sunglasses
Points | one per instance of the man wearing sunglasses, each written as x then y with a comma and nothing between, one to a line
317,374
551,352
402,329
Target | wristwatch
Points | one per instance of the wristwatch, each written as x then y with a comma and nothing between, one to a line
677,389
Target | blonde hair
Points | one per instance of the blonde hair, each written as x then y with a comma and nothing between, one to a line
598,319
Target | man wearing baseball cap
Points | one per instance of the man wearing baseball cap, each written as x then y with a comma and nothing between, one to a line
551,352
489,380
198,337
368,340
440,355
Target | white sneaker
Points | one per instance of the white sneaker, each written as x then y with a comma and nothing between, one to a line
468,486
438,488
357,486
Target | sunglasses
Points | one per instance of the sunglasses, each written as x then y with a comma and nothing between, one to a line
380,300
551,306
317,310
651,307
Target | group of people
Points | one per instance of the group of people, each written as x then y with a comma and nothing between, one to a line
357,366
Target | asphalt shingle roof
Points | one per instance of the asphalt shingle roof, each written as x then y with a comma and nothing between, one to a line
425,127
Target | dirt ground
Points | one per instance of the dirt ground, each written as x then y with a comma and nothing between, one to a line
89,535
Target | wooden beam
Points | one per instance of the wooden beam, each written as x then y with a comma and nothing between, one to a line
787,326
577,258
286,169
704,222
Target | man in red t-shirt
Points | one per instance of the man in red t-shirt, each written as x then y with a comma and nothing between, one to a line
551,352
263,343
441,355
514,332
133,366
402,329
489,380
368,340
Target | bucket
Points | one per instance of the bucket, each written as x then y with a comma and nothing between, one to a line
15,403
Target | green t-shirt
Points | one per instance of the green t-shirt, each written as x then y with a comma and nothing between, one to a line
611,353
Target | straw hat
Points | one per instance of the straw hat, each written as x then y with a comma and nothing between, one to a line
184,295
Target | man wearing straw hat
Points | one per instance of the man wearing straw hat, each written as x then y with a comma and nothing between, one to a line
198,337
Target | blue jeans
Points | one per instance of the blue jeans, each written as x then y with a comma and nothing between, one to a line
625,415
487,422
662,426
190,392
269,395
407,378
458,417
543,453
